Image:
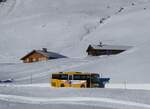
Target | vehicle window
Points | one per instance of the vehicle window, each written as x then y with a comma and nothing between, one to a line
95,75
64,76
70,77
81,77
77,77
55,76
60,76
95,78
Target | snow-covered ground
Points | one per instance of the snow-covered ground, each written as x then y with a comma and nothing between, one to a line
68,27
34,95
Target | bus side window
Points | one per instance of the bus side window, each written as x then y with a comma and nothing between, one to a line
64,76
77,77
55,76
70,77
60,76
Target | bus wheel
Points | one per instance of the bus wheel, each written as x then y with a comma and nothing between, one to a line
62,85
82,86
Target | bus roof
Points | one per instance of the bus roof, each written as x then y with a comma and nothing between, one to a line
71,73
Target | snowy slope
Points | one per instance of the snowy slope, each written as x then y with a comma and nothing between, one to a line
44,98
69,27
57,25
129,29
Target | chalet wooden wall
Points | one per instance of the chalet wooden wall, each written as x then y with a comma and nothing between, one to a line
94,52
34,57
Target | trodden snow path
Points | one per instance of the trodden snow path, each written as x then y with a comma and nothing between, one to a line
68,100
108,86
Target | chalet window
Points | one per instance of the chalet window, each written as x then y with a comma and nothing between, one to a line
27,60
37,59
34,59
42,59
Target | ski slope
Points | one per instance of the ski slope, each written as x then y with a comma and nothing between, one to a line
56,25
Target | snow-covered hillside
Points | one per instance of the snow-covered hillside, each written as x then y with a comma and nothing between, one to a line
68,27
127,29
57,25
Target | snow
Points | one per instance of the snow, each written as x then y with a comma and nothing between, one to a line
41,85
108,98
68,100
68,27
129,86
71,26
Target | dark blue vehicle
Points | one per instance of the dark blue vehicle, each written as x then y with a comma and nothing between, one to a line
7,80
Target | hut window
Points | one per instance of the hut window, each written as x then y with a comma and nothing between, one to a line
34,59
42,59
27,60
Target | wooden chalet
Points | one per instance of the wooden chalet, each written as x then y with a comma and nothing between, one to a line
40,55
98,50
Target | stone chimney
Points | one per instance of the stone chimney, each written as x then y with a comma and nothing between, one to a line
100,44
44,49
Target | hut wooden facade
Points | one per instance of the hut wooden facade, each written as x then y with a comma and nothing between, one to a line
98,50
40,55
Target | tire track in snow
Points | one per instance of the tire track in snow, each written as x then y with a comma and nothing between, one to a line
68,100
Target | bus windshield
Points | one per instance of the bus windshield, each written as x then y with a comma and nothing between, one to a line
95,78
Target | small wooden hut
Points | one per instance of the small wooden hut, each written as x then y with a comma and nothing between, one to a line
40,55
98,50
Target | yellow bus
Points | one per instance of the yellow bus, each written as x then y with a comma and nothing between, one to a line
77,80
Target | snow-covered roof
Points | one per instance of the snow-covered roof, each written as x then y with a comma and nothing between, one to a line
50,54
45,53
110,47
